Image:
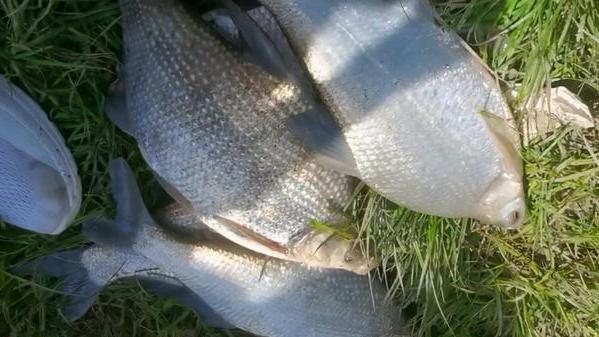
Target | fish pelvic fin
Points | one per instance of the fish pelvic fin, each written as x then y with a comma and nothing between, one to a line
131,212
115,104
267,246
320,133
77,284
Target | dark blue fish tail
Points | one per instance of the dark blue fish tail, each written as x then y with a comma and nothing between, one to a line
77,284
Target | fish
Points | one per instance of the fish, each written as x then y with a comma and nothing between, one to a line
415,114
253,292
209,119
40,189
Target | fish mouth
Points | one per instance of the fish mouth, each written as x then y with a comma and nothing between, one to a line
364,268
514,214
503,204
359,260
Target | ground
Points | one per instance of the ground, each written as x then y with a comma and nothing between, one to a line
454,277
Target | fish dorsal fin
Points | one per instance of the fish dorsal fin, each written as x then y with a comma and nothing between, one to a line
322,133
115,105
258,48
318,130
294,67
131,212
172,288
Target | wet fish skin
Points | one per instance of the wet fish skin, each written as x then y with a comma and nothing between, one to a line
264,296
212,127
39,186
426,123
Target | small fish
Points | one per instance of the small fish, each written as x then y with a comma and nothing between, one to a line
253,292
210,121
39,186
417,115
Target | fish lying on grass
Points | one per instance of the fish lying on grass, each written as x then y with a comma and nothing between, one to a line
417,116
250,291
39,186
210,122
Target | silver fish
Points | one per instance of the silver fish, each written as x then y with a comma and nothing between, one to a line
264,296
420,118
39,186
210,122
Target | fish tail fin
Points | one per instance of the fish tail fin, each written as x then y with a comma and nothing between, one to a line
131,212
77,284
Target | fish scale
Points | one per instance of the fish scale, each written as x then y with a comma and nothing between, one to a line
212,126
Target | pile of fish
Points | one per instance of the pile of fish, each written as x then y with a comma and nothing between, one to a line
257,117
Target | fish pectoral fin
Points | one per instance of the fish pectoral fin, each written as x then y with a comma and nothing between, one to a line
506,140
184,296
131,212
115,107
259,49
320,133
248,235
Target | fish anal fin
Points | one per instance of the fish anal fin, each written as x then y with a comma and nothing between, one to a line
249,235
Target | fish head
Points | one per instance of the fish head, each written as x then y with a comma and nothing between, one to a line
325,250
503,203
358,261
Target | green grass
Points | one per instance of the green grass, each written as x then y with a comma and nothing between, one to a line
456,277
